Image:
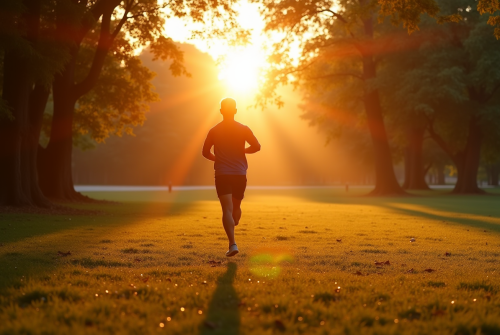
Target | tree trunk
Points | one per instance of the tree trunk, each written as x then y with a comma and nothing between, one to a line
18,137
469,165
385,178
54,163
14,184
414,165
38,100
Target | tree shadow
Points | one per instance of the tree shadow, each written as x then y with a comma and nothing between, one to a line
223,316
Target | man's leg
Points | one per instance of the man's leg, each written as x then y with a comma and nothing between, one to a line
236,211
226,202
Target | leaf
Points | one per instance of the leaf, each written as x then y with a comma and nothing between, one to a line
410,271
145,280
382,263
429,270
280,325
64,254
339,240
137,260
169,280
358,273
447,254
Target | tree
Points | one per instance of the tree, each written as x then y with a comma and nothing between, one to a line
68,29
28,64
450,81
347,32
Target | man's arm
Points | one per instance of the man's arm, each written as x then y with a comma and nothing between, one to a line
207,146
254,143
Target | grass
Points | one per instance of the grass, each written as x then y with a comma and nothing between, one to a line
155,264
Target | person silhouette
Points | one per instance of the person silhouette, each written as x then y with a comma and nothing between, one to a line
229,140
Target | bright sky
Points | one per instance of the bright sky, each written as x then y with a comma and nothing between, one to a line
238,66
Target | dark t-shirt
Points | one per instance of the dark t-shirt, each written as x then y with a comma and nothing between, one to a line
228,139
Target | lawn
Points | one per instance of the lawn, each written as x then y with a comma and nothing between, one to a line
314,261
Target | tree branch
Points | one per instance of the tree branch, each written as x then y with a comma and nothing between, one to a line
103,46
96,11
338,16
438,139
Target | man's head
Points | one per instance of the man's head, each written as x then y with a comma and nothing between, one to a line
228,107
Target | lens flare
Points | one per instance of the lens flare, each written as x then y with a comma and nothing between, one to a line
267,263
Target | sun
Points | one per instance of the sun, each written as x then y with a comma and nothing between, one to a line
240,70
239,67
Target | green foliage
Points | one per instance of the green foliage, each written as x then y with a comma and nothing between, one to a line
408,12
119,100
46,55
443,76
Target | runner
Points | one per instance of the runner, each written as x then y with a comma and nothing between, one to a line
228,139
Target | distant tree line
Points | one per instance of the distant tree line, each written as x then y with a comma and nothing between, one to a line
69,71
427,95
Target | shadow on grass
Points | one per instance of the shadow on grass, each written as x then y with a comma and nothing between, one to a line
223,316
468,210
19,229
18,226
470,222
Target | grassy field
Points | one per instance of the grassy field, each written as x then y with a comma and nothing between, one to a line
154,263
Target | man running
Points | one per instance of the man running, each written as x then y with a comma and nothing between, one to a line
228,139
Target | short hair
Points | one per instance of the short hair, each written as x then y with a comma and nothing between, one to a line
227,103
